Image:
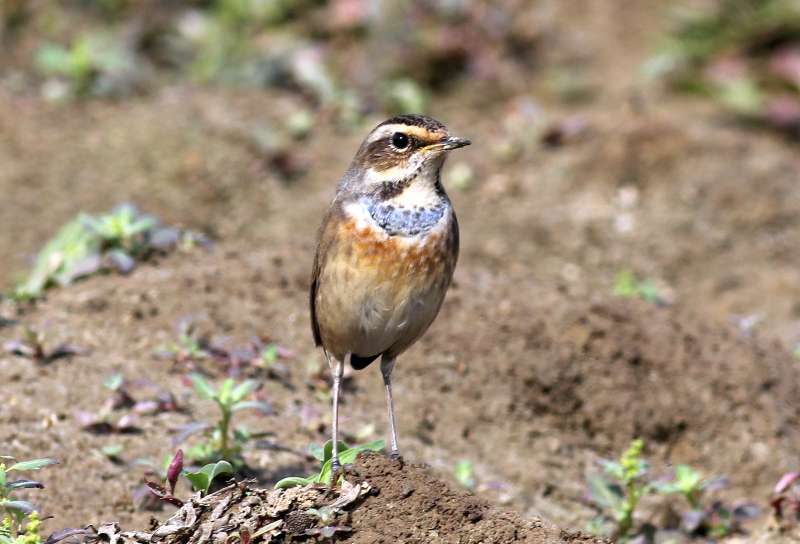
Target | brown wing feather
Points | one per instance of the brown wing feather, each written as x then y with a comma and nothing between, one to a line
325,239
313,301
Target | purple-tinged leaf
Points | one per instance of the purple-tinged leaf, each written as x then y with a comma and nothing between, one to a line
58,536
19,348
716,483
120,261
244,535
128,424
786,481
745,511
64,350
147,407
174,470
188,430
24,484
162,494
692,520
84,267
164,239
20,506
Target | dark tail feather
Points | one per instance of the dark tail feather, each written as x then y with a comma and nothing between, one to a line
358,362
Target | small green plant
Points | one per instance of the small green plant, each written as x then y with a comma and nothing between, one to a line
33,347
465,474
223,441
200,479
190,347
324,454
89,244
91,65
709,518
741,53
623,483
123,229
688,483
203,478
620,488
628,285
20,522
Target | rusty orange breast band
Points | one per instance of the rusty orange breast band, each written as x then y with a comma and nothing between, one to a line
393,257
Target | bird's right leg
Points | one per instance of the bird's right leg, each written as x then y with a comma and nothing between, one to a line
387,365
338,370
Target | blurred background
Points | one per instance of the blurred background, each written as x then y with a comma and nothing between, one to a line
630,219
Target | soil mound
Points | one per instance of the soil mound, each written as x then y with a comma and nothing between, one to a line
388,502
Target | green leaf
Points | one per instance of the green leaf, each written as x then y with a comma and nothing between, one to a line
114,381
347,456
224,395
465,474
203,388
252,405
687,478
202,479
317,451
293,481
604,493
242,390
3,478
33,464
53,59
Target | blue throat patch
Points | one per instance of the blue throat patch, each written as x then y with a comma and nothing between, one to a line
411,221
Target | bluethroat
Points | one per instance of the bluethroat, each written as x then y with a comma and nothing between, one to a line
386,253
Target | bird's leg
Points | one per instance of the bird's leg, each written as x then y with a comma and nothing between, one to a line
387,365
338,370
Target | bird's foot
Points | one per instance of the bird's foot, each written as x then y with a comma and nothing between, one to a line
336,471
394,455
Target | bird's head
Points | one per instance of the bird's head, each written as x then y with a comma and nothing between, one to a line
401,151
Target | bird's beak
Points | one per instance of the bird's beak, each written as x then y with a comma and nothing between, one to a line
446,144
454,142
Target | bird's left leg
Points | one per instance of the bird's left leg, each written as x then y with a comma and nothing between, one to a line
338,370
387,365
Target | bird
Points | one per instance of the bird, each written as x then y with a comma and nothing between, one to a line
386,252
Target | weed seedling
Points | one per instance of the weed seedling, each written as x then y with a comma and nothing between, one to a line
620,488
222,441
89,244
20,521
200,480
628,285
705,517
786,497
33,347
465,474
324,454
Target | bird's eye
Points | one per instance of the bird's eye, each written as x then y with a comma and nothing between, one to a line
400,140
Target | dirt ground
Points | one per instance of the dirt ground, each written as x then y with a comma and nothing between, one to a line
533,369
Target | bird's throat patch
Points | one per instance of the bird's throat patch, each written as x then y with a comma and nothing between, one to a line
405,221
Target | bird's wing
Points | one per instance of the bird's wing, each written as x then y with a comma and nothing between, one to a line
325,240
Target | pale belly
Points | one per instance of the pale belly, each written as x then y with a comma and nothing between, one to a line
379,293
